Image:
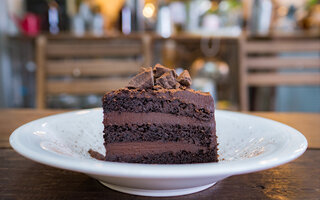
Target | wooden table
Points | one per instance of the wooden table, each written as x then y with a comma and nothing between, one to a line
21,178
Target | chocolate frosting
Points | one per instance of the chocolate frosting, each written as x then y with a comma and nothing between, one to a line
145,148
123,118
160,77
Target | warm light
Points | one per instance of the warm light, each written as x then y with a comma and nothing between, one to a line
282,11
148,10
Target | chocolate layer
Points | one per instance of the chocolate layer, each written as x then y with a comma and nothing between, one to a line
117,118
181,157
144,102
202,100
145,148
193,134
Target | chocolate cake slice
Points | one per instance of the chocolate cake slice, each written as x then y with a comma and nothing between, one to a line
158,119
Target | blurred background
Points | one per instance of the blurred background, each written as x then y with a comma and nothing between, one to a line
257,55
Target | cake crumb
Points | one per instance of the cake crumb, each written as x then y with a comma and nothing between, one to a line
96,155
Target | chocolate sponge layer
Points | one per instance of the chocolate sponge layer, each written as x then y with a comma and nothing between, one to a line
137,105
178,102
182,157
200,135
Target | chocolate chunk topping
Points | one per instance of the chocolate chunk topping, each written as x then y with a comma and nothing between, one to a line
157,87
177,85
143,80
160,77
167,80
159,70
184,78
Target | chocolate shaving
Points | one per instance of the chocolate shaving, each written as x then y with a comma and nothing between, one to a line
184,79
96,155
167,80
142,80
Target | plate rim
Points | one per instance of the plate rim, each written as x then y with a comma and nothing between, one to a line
117,169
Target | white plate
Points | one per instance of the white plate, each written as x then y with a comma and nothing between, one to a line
246,144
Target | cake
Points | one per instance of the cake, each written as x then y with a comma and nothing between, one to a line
158,119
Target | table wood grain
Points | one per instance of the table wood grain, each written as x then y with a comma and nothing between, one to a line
21,178
24,179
